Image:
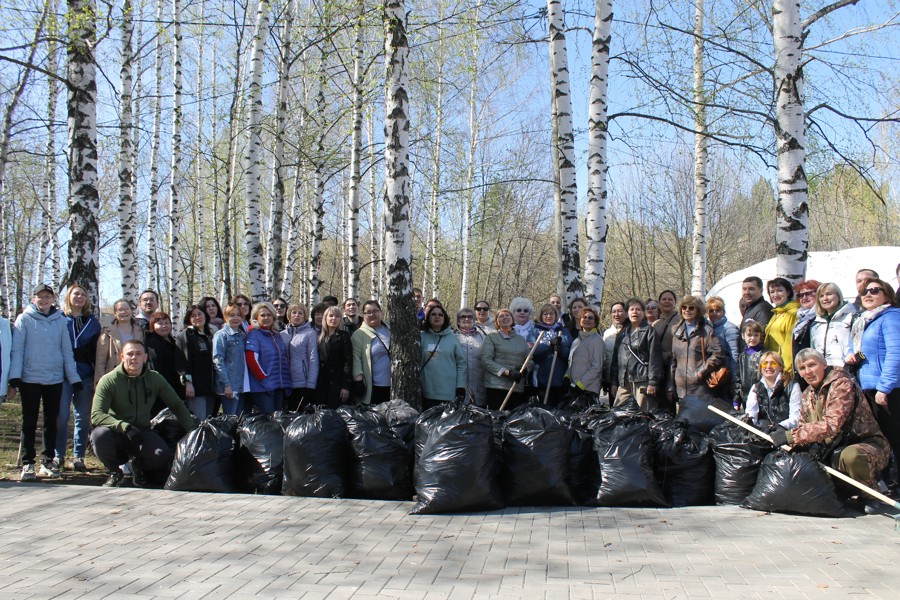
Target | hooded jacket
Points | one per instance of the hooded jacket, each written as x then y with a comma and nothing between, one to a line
303,354
41,348
780,332
831,335
543,355
880,370
84,344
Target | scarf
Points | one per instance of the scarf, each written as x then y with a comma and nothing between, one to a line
859,326
524,330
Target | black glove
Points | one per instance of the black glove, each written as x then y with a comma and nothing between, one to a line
358,387
135,437
557,344
77,387
15,383
779,437
460,392
516,376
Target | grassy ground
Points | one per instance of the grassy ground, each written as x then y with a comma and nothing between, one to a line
10,428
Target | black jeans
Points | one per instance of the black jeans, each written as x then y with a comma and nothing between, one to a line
113,449
494,398
888,418
33,396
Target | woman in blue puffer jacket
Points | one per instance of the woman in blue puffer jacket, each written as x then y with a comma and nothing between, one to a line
267,360
556,341
303,357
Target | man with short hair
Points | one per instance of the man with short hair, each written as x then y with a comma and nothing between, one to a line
757,309
148,303
121,417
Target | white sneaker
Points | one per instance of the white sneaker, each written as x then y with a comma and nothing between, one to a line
126,468
49,470
27,473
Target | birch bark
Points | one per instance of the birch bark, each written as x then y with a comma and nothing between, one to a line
701,158
353,191
153,266
128,263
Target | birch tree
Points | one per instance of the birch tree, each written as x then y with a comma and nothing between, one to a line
256,266
49,247
153,266
405,354
128,263
597,228
174,260
353,191
701,157
569,255
84,200
317,217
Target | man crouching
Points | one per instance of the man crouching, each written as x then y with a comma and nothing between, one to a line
121,417
836,422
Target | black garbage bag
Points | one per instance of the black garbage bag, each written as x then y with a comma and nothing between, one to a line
401,418
684,464
426,422
536,447
203,459
584,467
693,411
380,468
793,482
738,455
457,470
259,458
624,447
166,425
316,455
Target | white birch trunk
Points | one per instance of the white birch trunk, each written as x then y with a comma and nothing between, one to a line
353,191
49,247
274,254
434,292
174,260
597,226
374,262
202,233
84,199
153,266
293,233
791,209
701,194
136,131
570,261
468,207
314,279
128,263
255,263
405,356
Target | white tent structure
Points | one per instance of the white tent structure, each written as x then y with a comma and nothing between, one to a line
838,267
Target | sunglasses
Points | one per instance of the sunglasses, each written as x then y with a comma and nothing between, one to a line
466,317
482,308
243,304
652,307
806,294
769,363
689,308
522,310
872,291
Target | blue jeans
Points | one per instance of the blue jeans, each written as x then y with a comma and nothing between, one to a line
268,402
82,401
231,406
202,406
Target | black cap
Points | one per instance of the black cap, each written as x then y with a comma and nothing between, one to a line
42,288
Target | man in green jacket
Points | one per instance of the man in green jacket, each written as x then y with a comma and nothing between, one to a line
121,416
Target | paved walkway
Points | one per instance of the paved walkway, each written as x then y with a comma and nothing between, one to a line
70,542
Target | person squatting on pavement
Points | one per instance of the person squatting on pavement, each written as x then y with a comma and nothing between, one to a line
121,417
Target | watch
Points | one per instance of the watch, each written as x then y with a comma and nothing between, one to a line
186,378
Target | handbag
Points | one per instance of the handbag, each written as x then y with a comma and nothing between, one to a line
719,378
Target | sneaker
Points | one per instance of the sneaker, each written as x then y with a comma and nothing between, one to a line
116,479
27,473
78,465
126,469
137,475
49,470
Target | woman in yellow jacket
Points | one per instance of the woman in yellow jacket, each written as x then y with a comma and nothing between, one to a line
780,330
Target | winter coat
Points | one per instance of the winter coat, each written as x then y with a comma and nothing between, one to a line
362,340
5,352
229,360
303,354
880,370
335,367
41,350
780,332
471,343
824,413
689,371
267,361
830,335
197,347
637,357
760,311
443,365
122,400
167,359
586,361
109,347
84,344
502,351
543,355
609,341
779,404
729,336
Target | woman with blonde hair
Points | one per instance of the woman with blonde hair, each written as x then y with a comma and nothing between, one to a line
774,398
335,360
502,355
830,331
696,352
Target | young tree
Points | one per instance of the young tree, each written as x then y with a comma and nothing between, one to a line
405,382
174,260
701,157
128,263
153,266
353,191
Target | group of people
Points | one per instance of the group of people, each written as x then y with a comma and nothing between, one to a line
810,366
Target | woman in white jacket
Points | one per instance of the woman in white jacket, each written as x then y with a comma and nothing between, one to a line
830,332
